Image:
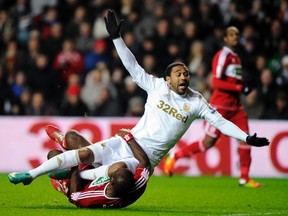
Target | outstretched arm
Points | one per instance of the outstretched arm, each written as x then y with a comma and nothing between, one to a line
138,74
230,129
227,127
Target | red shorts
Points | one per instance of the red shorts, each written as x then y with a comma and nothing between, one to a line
238,117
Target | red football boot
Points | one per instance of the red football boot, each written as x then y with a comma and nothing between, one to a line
57,135
61,185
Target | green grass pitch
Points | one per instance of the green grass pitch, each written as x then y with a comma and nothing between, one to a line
178,195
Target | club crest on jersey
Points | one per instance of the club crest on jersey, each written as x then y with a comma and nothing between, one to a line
103,144
186,107
167,108
99,181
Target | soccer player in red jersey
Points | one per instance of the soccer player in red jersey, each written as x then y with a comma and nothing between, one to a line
117,190
228,85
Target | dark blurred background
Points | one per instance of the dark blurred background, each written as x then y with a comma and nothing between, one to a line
56,58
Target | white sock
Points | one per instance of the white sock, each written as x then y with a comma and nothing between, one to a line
92,174
62,161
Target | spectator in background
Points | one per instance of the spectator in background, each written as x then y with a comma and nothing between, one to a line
117,78
27,63
252,105
274,62
25,101
6,95
199,81
98,54
267,88
107,104
95,81
67,8
38,6
52,45
150,66
249,40
7,30
19,84
208,16
257,16
174,53
85,41
39,106
133,18
44,79
147,47
49,18
274,36
74,79
131,42
283,11
11,61
135,107
213,43
72,28
73,105
282,78
131,90
68,61
161,38
98,29
148,23
279,108
20,14
190,35
196,56
260,64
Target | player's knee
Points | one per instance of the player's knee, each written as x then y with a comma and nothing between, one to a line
86,156
53,153
71,135
209,142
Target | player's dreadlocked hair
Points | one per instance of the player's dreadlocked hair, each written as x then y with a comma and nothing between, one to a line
170,66
123,181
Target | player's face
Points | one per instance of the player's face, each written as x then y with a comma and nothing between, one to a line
179,79
232,37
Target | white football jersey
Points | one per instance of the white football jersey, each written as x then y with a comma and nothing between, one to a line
167,114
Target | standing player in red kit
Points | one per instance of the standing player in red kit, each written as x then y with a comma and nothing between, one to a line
228,85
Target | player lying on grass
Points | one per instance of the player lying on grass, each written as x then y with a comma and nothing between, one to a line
99,192
107,186
170,109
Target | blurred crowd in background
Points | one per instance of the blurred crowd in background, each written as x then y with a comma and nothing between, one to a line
56,57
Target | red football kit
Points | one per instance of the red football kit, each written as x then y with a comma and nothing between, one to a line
93,194
227,83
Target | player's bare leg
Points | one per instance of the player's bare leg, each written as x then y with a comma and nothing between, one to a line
187,151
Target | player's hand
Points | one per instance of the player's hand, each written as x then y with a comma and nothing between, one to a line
257,141
246,89
123,131
248,86
113,26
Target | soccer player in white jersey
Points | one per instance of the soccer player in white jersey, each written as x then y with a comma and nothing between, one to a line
228,85
170,109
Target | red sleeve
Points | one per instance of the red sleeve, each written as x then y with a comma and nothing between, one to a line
219,80
224,85
141,178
